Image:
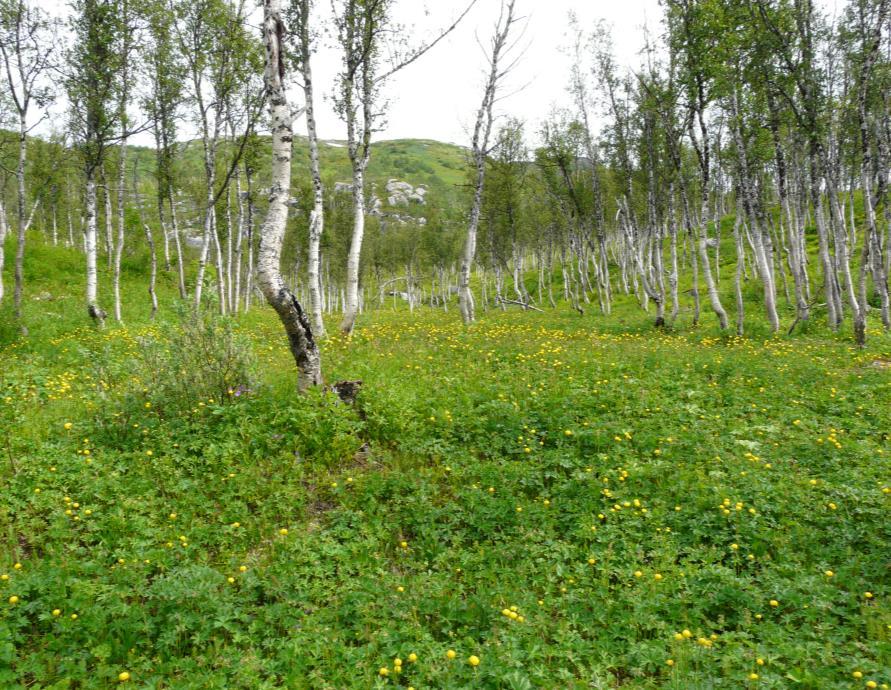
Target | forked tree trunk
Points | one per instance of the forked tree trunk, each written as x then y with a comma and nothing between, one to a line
293,317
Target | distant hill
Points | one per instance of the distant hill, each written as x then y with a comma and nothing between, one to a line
441,167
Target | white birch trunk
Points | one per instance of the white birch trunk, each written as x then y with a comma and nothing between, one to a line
317,218
4,229
302,344
90,236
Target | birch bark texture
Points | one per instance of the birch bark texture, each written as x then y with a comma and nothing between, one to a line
272,234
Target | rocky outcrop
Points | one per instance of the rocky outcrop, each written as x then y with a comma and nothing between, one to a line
401,193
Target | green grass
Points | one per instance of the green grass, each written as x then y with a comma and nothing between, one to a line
740,471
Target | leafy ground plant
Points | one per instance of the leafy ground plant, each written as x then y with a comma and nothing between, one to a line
540,501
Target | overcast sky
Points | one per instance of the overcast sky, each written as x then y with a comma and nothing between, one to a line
437,97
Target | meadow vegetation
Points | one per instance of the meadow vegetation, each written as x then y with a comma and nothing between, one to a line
541,500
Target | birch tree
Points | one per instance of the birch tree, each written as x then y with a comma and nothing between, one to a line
300,21
479,147
165,75
300,337
91,84
125,41
27,44
694,26
212,39
362,30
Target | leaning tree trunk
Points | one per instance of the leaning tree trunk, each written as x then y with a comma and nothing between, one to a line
293,317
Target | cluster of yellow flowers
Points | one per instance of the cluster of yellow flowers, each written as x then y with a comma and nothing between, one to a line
513,613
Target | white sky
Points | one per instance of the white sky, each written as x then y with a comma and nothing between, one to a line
437,97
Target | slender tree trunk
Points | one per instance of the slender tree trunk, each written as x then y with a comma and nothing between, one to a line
177,242
482,131
20,217
153,268
119,244
239,244
109,223
4,230
317,217
229,227
90,236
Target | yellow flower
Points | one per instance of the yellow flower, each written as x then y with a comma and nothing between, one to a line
451,654
473,660
283,532
123,676
13,600
867,595
68,426
774,603
753,676
384,671
412,657
669,662
57,612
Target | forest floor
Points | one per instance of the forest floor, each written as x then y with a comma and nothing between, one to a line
539,501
